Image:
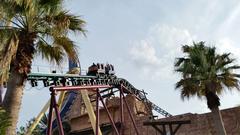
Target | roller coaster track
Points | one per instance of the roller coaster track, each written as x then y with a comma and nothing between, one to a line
70,79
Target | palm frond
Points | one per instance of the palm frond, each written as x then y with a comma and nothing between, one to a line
4,121
179,61
233,67
63,21
49,24
7,55
185,48
68,46
188,87
51,53
51,6
204,71
76,24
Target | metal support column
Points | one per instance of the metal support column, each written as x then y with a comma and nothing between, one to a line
97,111
90,111
121,112
57,113
109,115
50,116
129,111
53,105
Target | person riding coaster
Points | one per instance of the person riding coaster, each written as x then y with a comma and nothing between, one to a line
101,70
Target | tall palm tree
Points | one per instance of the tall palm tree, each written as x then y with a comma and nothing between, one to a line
206,73
28,28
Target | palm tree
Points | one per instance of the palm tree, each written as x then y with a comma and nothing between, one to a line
4,121
205,74
28,28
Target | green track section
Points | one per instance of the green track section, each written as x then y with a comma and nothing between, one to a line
56,75
56,79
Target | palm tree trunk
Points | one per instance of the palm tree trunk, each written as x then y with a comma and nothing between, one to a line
1,92
13,98
218,122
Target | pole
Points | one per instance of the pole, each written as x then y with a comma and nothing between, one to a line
121,112
42,112
97,111
59,121
61,98
129,111
49,129
164,129
109,115
90,111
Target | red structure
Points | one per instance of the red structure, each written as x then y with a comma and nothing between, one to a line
94,88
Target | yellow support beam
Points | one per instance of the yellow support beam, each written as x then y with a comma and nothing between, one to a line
60,99
39,117
90,111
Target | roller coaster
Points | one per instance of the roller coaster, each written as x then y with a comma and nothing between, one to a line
98,75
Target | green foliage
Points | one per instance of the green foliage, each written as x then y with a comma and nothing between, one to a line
28,28
205,73
42,125
43,24
22,130
4,121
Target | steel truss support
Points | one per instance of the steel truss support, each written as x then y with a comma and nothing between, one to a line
50,79
108,113
42,112
129,111
121,111
97,111
90,111
84,91
94,118
54,105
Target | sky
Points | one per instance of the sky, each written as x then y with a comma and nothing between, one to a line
142,38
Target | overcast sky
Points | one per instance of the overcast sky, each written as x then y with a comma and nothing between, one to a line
142,38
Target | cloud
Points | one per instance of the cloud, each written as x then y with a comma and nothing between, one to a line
144,53
226,45
154,55
230,19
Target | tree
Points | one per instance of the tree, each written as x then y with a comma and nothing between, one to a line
28,28
4,121
206,73
39,130
42,127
